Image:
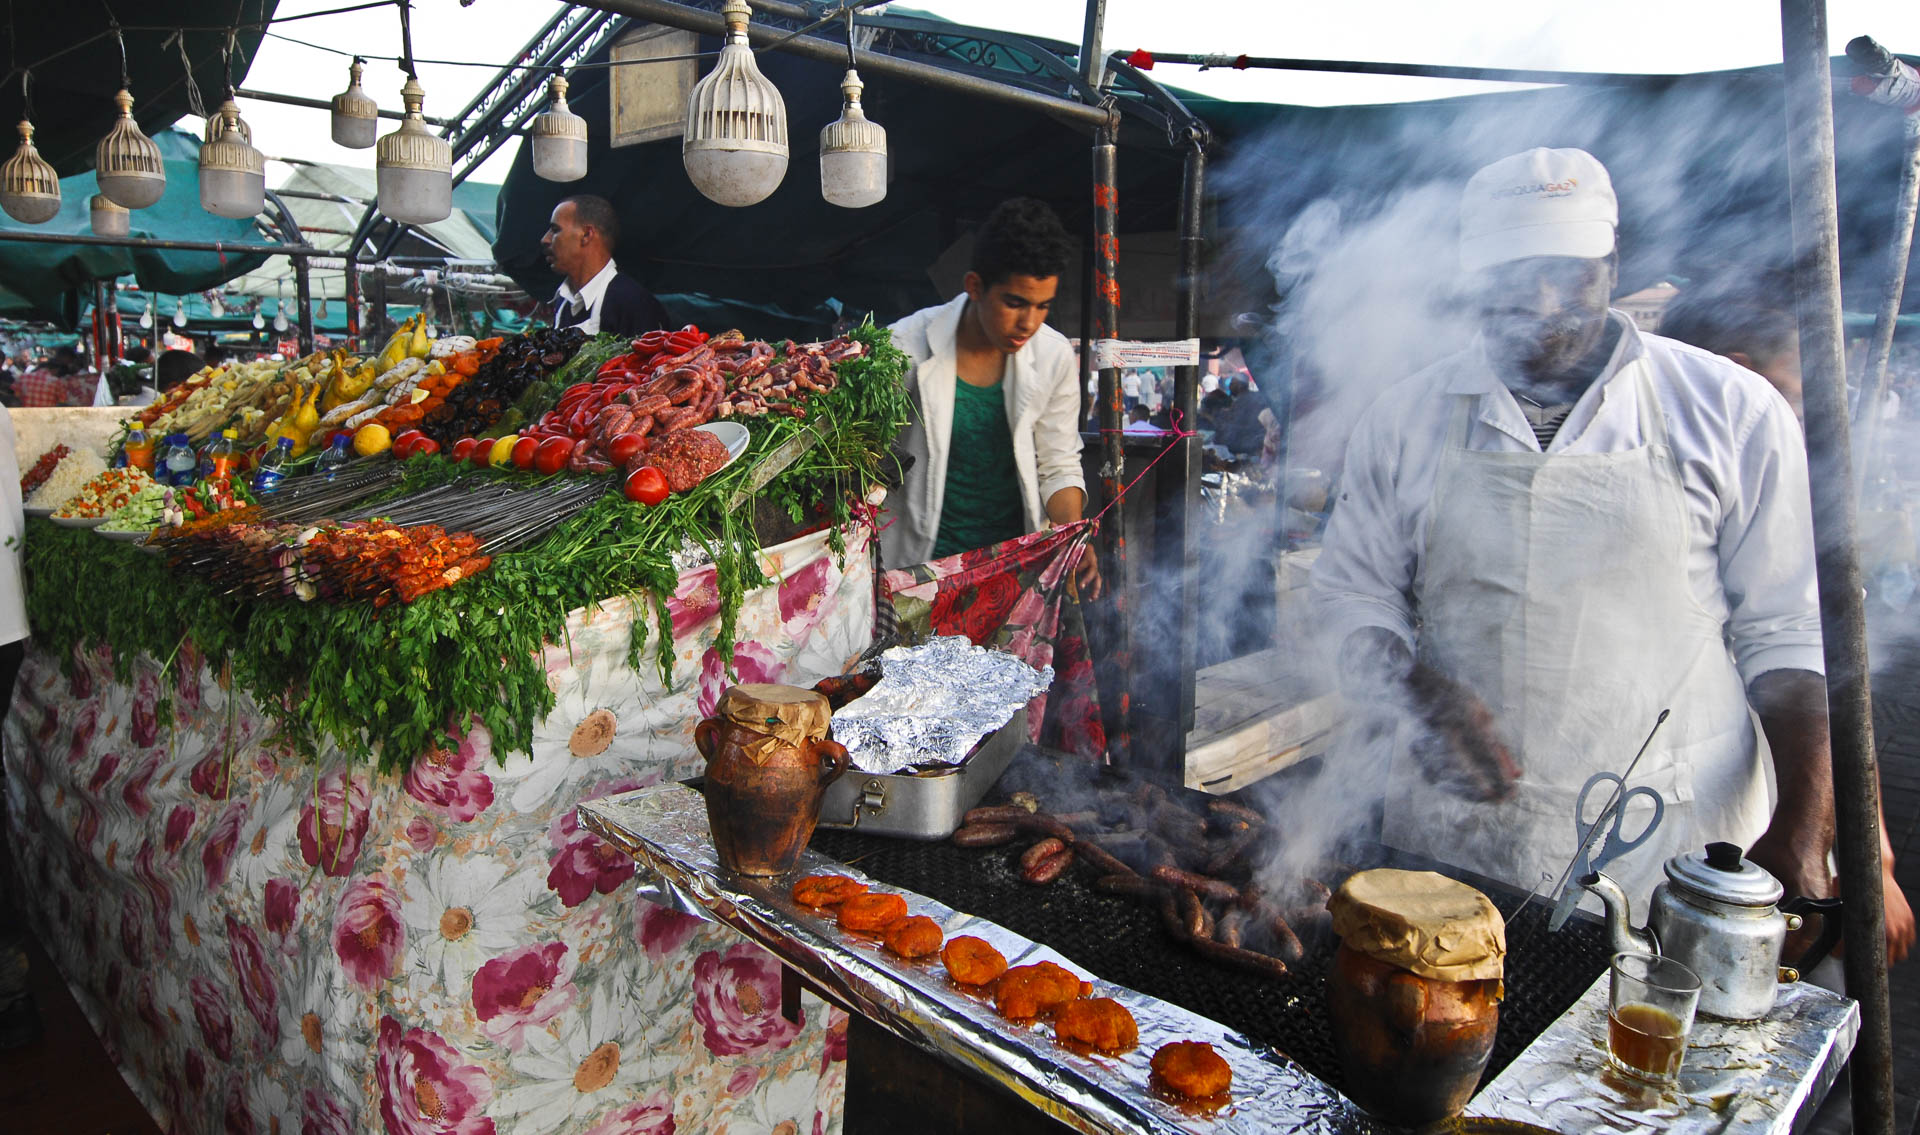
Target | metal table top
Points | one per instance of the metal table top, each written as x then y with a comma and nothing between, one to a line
1759,1078
1737,1079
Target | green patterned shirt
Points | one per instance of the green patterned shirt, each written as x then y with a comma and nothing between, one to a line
982,505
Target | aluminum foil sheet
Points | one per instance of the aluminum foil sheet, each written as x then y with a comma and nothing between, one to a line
1737,1078
933,704
665,829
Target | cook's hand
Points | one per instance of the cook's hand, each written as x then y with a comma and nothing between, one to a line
1900,926
1087,574
1462,751
1801,867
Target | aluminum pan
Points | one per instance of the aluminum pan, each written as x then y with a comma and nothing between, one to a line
665,829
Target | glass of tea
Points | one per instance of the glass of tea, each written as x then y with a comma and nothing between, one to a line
1650,1015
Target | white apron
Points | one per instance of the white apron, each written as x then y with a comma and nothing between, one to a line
1556,588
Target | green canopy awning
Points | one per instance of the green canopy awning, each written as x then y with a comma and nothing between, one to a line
41,274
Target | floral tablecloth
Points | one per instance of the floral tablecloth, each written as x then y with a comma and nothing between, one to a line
264,946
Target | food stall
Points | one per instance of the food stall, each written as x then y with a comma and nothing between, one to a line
298,827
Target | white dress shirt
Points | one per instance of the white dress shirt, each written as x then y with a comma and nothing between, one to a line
589,297
1743,467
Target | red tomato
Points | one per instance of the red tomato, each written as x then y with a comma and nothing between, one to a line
625,446
481,455
552,454
647,485
463,448
523,451
425,447
406,443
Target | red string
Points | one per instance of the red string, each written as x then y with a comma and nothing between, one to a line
1178,435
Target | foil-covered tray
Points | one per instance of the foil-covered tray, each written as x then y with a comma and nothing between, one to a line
665,830
922,803
1757,1078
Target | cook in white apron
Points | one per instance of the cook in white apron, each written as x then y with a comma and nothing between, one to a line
1555,587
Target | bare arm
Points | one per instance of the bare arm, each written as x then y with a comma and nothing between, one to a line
1792,705
1068,506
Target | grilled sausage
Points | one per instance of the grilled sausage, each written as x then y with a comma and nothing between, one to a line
1042,850
1099,859
1263,964
1216,889
985,835
1193,915
1046,868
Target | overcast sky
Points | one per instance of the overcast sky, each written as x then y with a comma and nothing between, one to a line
1658,36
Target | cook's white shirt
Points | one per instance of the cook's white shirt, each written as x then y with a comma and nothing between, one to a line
589,295
1742,462
13,529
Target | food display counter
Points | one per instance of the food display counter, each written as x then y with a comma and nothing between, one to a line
1273,1032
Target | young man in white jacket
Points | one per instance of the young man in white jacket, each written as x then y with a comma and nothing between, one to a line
995,436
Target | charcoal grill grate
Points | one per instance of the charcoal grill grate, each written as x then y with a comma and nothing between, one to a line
1121,940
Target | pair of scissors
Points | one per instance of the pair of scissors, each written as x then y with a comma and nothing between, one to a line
1601,841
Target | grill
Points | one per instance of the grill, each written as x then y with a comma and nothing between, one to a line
1121,940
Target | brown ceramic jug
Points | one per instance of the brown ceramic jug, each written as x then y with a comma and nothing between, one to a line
1414,994
768,764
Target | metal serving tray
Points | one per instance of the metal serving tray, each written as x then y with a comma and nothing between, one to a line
922,805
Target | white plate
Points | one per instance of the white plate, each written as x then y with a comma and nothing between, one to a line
123,537
38,510
78,521
733,435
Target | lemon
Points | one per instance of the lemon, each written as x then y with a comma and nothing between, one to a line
502,451
372,439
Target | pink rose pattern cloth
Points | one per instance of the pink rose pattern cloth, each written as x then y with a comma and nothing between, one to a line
263,946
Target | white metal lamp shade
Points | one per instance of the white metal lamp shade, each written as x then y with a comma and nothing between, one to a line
29,189
735,144
356,117
233,175
179,311
853,153
415,167
559,138
127,163
108,219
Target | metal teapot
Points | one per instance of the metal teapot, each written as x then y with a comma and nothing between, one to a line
1719,914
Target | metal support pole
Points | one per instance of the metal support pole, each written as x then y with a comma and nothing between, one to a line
1092,57
1873,384
352,300
1105,305
23,236
302,296
1856,784
1186,400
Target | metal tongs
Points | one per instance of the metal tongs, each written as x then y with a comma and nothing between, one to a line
1600,841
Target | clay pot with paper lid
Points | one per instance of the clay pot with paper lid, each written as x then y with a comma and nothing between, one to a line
768,764
1414,994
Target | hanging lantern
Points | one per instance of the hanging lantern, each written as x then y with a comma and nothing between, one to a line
321,312
415,167
356,117
853,152
258,322
233,174
735,144
29,189
108,219
127,163
179,311
559,138
219,309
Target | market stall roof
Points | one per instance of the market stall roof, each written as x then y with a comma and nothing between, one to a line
1698,161
466,235
44,275
75,62
952,159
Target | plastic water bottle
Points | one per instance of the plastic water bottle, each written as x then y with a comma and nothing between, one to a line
336,456
273,467
223,456
138,450
181,465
